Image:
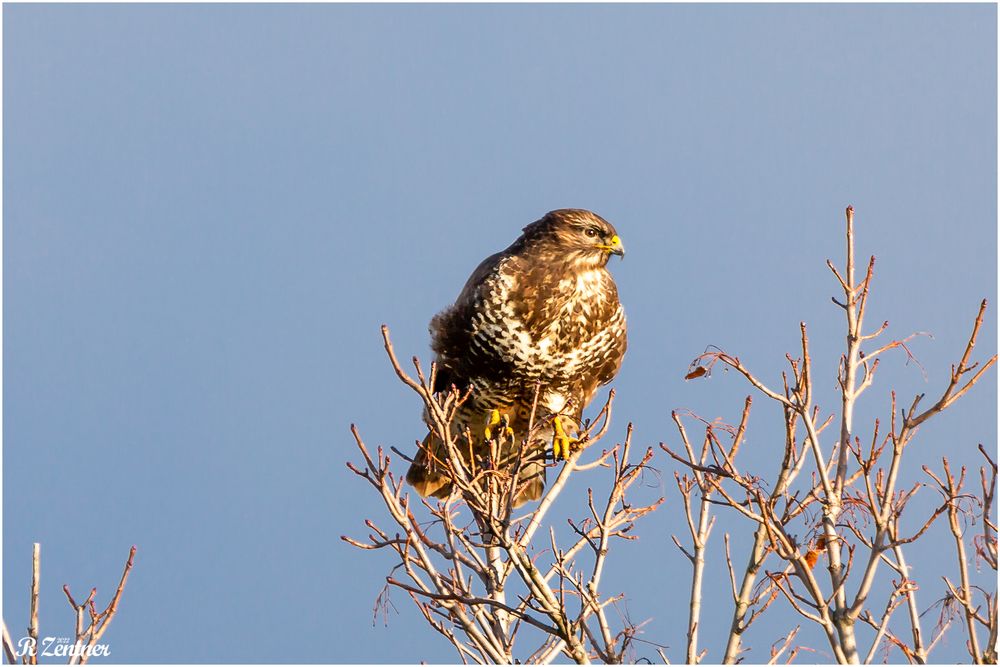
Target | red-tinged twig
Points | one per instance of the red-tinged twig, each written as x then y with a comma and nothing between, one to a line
901,344
953,391
99,621
776,651
472,601
888,636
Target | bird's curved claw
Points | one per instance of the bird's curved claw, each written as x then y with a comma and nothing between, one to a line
562,444
497,418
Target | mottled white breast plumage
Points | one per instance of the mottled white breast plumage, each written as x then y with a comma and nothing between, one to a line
535,353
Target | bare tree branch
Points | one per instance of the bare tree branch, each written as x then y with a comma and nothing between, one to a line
462,574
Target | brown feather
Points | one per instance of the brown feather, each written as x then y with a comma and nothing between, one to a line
546,311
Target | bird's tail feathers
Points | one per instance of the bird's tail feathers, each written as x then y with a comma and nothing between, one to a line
428,474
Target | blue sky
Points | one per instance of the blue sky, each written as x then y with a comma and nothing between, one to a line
209,210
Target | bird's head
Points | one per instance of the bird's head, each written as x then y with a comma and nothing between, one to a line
577,236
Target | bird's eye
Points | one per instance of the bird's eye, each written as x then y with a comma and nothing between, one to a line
591,232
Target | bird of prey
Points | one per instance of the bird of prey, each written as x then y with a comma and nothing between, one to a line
544,313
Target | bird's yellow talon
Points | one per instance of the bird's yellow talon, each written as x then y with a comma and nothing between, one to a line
562,444
493,421
496,418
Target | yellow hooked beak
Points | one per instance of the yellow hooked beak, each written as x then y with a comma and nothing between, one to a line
614,247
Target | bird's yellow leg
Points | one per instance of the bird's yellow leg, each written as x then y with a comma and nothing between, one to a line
562,443
496,418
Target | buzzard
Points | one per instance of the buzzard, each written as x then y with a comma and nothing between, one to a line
543,313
